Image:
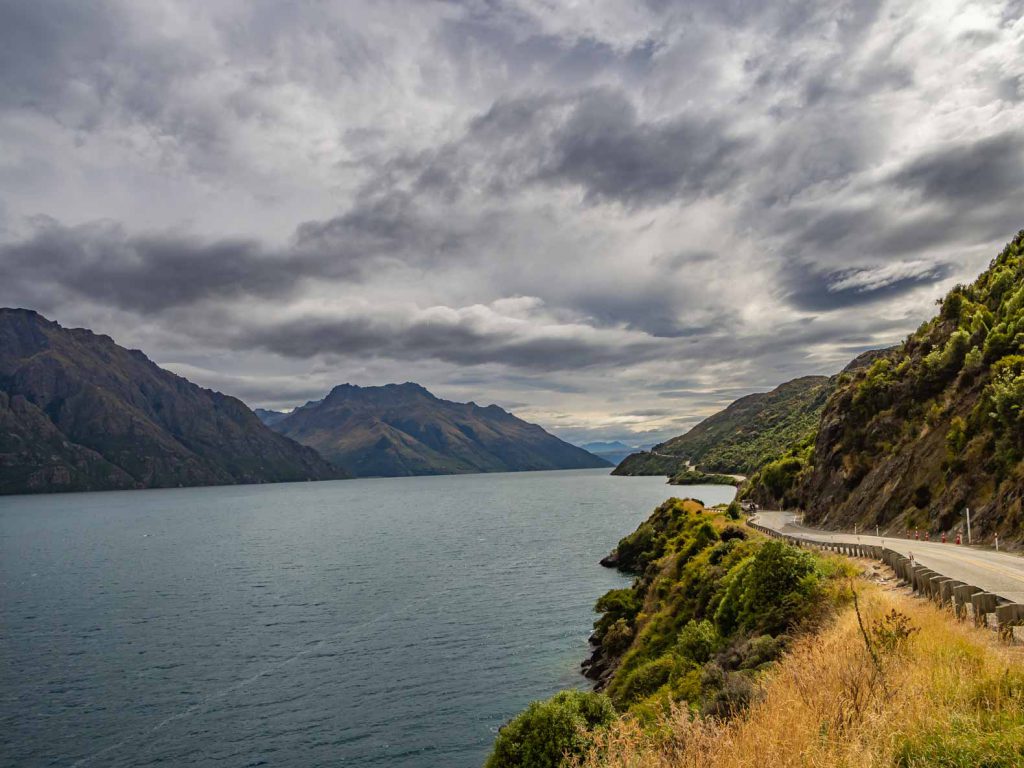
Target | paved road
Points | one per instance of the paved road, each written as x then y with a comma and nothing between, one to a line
1000,573
737,478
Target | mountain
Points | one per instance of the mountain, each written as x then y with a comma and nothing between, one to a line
613,451
80,413
402,429
739,439
930,428
269,417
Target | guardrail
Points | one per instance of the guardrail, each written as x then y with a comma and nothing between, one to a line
968,603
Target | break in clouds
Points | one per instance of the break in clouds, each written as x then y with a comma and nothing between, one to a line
614,217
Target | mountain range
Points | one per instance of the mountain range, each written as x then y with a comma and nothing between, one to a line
743,436
80,413
402,429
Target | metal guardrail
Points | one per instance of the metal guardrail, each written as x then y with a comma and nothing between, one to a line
966,600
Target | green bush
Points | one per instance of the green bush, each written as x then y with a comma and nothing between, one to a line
548,731
768,591
642,681
698,640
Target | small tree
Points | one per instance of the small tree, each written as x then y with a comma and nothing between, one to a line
547,732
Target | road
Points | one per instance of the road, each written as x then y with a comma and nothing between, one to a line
688,465
1000,573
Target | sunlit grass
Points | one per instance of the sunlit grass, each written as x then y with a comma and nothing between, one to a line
949,695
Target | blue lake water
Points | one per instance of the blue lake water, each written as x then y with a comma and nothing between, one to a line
361,623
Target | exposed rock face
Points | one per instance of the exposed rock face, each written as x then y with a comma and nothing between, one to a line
402,429
78,412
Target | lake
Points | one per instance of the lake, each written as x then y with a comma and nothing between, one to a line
386,622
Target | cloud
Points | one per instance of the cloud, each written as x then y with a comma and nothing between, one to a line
592,140
975,172
464,336
861,285
648,208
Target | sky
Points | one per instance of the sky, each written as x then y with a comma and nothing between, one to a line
612,218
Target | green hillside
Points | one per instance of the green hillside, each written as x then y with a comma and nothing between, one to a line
751,431
933,426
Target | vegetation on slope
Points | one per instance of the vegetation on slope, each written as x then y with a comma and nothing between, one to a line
713,606
689,476
740,439
933,426
936,694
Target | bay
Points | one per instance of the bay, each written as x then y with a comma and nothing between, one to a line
385,622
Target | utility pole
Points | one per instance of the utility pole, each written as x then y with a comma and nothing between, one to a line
968,511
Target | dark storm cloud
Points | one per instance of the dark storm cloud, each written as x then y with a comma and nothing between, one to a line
147,274
612,155
977,172
150,273
593,140
452,337
816,292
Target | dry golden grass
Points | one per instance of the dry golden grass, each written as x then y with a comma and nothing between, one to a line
950,696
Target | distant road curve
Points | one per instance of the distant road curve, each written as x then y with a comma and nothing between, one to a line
738,478
999,573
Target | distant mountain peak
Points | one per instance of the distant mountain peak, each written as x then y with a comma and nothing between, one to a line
403,429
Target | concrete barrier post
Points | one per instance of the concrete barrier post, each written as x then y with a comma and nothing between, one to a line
984,603
1009,615
937,584
962,598
946,595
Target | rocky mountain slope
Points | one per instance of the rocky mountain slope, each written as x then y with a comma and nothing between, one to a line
402,429
78,412
933,426
739,439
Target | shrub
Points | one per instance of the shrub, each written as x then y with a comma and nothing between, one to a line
617,638
768,591
698,640
548,731
892,632
641,682
956,438
734,510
